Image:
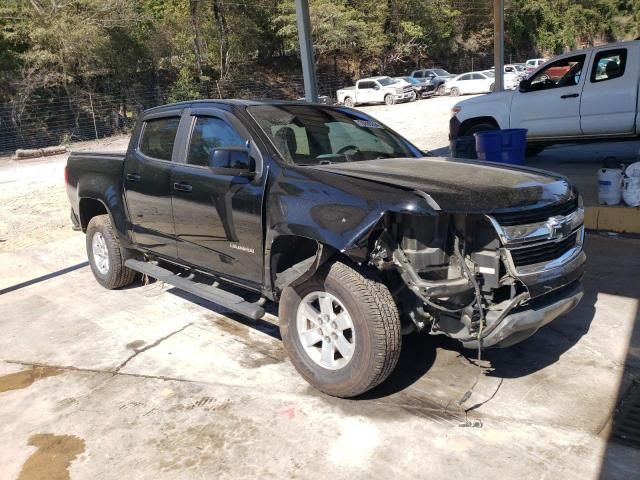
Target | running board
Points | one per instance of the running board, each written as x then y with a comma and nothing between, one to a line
213,294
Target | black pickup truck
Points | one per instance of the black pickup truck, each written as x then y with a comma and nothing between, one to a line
358,235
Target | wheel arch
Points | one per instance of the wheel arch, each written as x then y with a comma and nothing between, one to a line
89,208
293,258
471,122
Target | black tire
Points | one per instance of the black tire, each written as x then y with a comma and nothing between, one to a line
376,325
533,150
455,92
492,87
348,102
116,274
389,99
481,127
414,97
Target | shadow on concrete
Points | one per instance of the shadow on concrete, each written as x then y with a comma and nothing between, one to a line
260,325
43,278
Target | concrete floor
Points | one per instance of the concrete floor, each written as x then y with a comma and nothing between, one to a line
148,382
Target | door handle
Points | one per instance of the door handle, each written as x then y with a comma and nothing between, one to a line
133,177
570,95
182,187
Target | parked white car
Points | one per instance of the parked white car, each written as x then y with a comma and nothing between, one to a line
586,95
375,90
472,82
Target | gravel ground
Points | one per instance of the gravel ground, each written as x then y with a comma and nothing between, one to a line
425,122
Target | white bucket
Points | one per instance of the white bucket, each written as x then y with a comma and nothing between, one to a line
609,186
631,185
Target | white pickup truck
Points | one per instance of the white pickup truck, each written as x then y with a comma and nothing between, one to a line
587,95
375,90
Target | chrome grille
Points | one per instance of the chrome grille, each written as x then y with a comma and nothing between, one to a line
544,252
536,215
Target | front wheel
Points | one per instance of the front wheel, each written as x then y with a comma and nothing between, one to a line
341,329
440,90
348,102
389,100
455,92
414,97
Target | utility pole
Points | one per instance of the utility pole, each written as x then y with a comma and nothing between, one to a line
306,51
498,44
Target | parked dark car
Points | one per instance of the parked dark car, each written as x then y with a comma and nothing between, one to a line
420,88
343,222
434,78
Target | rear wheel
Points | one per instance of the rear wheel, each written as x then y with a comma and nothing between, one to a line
348,102
492,87
389,99
341,329
106,255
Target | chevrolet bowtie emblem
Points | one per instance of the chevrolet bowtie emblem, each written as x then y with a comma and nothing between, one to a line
559,227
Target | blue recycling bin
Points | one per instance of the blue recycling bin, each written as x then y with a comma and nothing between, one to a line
502,146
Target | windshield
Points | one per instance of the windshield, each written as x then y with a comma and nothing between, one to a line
410,80
441,73
312,135
489,74
386,81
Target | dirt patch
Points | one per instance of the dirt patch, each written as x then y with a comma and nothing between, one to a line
53,458
25,378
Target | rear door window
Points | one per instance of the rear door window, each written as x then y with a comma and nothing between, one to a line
158,137
608,65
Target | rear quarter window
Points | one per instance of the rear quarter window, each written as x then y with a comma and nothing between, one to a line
608,65
158,137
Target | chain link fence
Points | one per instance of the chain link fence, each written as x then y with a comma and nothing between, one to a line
41,122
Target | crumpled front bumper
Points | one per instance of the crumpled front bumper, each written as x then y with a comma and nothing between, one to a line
523,322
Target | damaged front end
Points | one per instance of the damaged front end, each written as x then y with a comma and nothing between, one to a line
483,279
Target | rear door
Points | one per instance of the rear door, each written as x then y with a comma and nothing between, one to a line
551,107
147,180
217,214
609,97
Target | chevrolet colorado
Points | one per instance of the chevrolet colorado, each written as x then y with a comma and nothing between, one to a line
356,234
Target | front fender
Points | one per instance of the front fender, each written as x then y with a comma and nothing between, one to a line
335,210
495,105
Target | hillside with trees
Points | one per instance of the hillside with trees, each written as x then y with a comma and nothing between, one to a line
85,66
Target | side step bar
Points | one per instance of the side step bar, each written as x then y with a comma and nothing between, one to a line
216,295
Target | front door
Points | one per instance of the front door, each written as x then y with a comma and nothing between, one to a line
147,180
550,108
217,215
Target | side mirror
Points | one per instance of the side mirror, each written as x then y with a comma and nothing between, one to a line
377,87
525,85
233,161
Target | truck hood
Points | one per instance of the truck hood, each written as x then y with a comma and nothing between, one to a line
461,185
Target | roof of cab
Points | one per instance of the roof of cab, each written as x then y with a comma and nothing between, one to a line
229,102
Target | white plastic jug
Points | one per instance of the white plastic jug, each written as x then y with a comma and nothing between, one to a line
609,186
631,185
